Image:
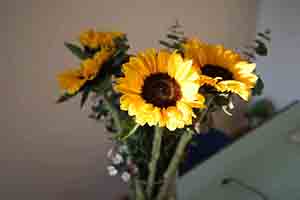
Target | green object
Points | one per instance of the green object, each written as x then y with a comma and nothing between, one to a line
156,146
259,87
65,97
77,51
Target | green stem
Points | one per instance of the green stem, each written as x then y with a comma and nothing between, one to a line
114,113
172,168
170,173
154,159
131,132
139,194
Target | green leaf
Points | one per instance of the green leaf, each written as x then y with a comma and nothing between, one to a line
64,97
173,37
100,109
102,84
181,33
262,108
77,51
84,96
259,87
264,36
166,44
261,48
128,133
267,31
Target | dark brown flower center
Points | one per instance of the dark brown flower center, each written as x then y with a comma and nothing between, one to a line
216,71
161,90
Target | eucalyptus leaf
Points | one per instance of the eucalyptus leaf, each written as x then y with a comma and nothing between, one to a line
127,133
264,36
259,87
77,51
261,48
101,84
173,37
84,96
64,97
166,44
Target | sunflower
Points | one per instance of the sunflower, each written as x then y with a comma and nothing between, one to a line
73,79
160,89
95,40
221,69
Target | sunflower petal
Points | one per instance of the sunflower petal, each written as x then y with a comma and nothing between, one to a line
245,67
174,63
90,68
183,70
71,80
174,119
162,61
235,87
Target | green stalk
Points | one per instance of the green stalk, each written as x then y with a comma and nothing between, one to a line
172,168
170,173
139,194
154,159
114,113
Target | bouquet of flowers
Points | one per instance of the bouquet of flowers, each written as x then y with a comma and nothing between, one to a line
153,102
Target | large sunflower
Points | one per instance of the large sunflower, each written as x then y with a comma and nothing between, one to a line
222,69
160,89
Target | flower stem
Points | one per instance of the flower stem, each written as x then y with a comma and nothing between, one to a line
170,173
139,194
114,113
154,159
172,168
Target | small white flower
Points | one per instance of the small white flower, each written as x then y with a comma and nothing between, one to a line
110,153
112,171
125,177
117,159
230,105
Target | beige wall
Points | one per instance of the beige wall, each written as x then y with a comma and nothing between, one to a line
50,151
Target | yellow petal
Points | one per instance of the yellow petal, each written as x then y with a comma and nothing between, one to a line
248,79
236,87
71,80
183,70
174,118
147,59
174,61
198,102
186,112
189,90
103,55
163,57
127,85
89,39
90,68
245,67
